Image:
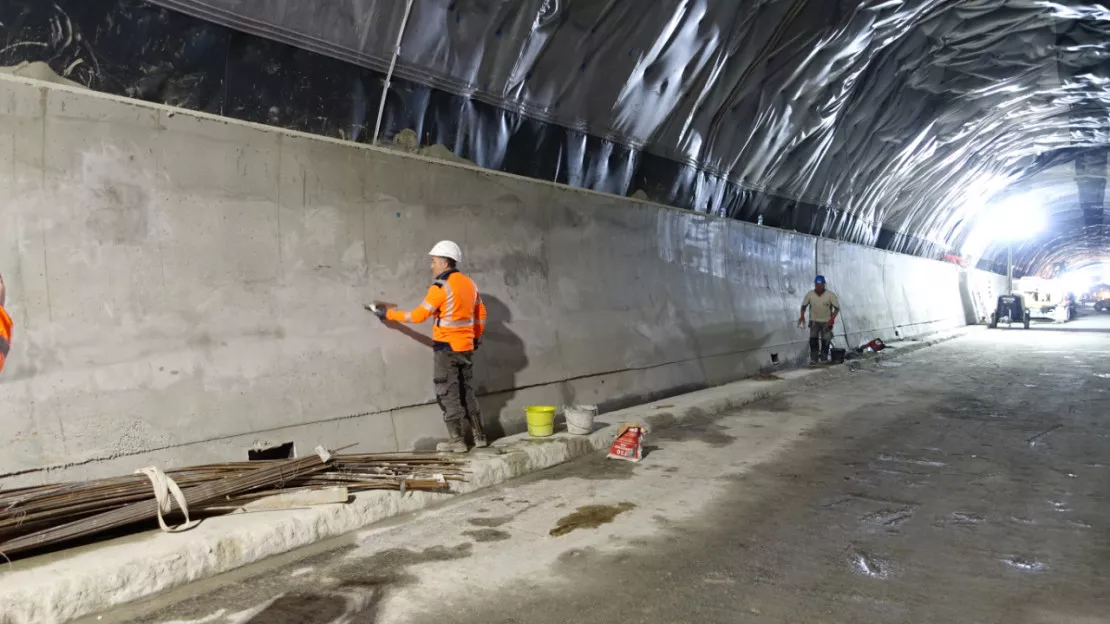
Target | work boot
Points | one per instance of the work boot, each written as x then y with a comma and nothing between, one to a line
455,443
458,446
478,431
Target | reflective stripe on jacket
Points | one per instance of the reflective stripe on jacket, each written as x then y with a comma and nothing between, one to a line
453,301
5,336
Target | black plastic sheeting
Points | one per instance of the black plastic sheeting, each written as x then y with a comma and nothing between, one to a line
891,123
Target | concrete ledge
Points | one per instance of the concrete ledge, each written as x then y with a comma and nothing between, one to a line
70,584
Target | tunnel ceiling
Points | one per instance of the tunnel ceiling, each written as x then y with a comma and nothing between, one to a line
903,116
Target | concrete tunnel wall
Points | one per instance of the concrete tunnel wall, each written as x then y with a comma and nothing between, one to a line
184,286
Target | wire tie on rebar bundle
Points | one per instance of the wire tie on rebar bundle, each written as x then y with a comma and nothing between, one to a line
165,488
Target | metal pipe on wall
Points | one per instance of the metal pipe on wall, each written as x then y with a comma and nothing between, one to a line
389,74
1010,268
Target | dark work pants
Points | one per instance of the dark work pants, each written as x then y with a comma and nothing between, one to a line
454,379
819,335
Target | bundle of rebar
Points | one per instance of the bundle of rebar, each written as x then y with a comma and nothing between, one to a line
40,517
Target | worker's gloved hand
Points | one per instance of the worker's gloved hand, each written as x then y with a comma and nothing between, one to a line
477,343
801,323
376,310
831,323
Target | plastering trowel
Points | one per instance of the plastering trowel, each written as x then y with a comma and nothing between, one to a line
378,305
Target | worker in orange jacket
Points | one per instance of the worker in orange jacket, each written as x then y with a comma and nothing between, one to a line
5,327
460,318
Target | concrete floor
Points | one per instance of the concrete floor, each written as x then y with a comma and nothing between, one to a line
969,482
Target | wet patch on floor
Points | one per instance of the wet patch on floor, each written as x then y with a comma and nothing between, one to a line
710,433
319,608
772,404
352,589
589,517
483,536
595,467
388,567
491,522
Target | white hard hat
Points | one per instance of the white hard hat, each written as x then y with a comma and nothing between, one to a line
447,249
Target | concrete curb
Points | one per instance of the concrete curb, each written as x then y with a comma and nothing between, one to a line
93,579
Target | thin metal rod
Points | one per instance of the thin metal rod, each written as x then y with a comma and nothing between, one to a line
1010,269
389,74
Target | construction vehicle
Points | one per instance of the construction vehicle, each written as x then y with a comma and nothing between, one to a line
1010,309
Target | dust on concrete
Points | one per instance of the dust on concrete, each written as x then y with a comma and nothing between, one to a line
589,517
487,535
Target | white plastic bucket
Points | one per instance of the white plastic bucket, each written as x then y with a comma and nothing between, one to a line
580,418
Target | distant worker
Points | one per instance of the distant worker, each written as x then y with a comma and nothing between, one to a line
823,308
5,327
460,319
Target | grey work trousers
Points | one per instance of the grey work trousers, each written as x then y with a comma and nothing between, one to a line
454,379
820,336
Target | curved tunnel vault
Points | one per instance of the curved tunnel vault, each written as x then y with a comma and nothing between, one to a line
900,124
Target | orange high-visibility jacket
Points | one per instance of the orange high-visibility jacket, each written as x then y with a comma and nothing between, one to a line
5,336
454,303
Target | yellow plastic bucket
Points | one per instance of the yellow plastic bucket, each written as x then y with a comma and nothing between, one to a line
541,420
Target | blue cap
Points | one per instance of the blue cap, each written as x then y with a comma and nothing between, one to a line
819,280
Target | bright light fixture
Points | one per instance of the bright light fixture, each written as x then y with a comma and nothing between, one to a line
1013,220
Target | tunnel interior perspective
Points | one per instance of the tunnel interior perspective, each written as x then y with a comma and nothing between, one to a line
526,311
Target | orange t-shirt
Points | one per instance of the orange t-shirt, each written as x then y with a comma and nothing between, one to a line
5,335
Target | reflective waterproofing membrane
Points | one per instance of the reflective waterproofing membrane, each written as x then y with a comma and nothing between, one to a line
886,122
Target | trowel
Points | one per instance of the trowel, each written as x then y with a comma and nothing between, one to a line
378,305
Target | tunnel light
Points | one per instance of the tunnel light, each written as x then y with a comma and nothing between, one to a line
1015,220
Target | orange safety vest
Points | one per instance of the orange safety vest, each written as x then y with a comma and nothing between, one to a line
460,316
5,336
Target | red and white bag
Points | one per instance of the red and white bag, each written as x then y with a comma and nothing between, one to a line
629,444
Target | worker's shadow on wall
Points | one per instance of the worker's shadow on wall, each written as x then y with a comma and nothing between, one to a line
496,365
423,339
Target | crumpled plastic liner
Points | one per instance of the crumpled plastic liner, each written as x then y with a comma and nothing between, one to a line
886,122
